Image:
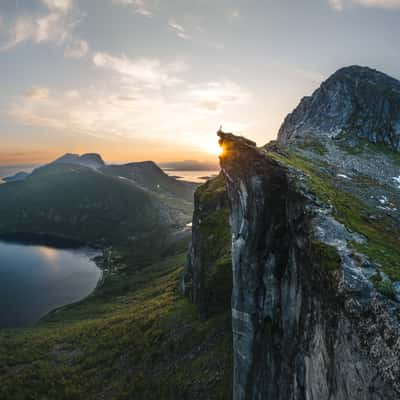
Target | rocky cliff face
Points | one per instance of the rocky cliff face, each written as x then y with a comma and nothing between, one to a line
307,321
357,100
315,224
207,276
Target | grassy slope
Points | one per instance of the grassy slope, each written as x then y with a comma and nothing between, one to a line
136,338
383,239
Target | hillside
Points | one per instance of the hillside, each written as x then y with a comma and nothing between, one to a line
85,204
136,337
151,177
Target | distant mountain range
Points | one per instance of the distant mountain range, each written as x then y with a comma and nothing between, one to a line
81,198
91,160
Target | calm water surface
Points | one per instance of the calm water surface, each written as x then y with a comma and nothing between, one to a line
192,176
37,279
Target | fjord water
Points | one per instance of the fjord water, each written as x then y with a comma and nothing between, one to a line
37,279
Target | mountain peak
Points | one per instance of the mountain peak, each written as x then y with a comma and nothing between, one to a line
92,160
355,100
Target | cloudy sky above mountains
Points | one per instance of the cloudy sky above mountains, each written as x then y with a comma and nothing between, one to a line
154,79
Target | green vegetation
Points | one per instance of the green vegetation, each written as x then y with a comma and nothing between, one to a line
383,240
215,238
364,146
136,337
313,145
212,190
327,256
383,286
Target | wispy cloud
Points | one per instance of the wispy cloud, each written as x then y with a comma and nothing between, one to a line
234,14
123,111
143,7
150,73
339,5
37,93
58,5
76,49
213,96
54,26
178,29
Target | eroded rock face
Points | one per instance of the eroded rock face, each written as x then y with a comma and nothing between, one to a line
207,275
307,323
358,101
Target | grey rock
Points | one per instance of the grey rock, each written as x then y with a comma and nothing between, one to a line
357,100
300,332
396,290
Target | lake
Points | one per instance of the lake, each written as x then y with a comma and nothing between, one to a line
199,176
37,279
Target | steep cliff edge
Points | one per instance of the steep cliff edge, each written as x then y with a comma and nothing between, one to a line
207,275
315,236
308,323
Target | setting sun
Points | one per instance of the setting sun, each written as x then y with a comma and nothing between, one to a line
214,148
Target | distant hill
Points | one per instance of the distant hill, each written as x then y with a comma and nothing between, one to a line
92,160
93,206
150,176
19,176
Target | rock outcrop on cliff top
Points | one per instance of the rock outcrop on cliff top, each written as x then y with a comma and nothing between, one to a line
315,229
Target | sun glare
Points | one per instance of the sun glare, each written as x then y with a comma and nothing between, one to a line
215,149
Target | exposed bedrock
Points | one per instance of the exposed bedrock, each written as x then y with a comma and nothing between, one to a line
306,323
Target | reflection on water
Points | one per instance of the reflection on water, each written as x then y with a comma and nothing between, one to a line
48,252
192,176
37,279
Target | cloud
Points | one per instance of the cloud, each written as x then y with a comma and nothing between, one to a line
150,73
37,93
58,5
77,49
213,96
55,26
339,5
336,4
143,7
178,29
122,111
234,14
50,28
72,94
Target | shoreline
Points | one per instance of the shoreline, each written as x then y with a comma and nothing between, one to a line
99,260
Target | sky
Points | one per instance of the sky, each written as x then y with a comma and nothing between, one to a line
154,79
